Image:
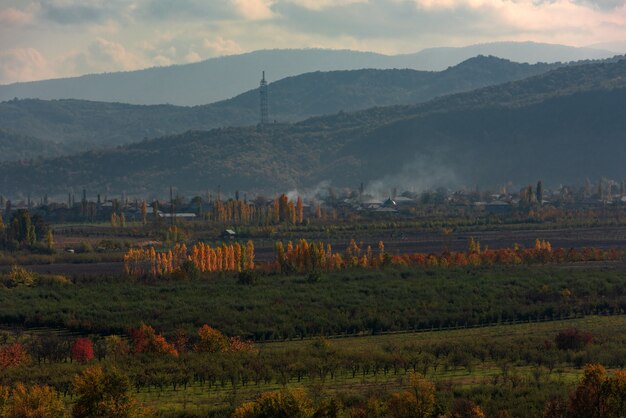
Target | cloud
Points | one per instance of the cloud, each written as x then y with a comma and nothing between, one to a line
15,17
74,12
22,64
221,46
184,10
323,4
602,4
104,55
254,9
387,19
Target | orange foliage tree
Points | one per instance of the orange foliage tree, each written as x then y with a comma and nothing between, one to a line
13,355
145,340
148,262
33,401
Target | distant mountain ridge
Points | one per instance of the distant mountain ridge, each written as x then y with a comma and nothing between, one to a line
85,125
224,77
562,127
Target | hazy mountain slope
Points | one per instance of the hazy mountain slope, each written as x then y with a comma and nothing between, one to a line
221,78
20,147
562,126
530,52
88,125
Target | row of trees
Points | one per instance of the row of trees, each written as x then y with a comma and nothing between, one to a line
201,257
24,231
541,253
212,359
99,392
106,392
141,340
597,395
306,257
242,212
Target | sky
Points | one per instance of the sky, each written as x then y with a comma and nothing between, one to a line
41,39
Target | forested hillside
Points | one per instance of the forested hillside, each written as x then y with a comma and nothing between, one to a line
562,127
88,125
21,147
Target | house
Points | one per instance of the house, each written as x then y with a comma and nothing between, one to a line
178,215
498,206
228,234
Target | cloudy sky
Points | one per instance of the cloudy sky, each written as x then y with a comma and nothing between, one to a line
42,39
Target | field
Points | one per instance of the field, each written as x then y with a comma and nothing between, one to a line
506,337
197,398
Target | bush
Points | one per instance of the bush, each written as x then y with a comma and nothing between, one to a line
84,247
52,279
19,276
573,339
188,271
314,277
249,277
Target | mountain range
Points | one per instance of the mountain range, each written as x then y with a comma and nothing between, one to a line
561,127
78,125
224,77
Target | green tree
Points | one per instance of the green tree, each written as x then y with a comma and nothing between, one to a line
104,393
22,228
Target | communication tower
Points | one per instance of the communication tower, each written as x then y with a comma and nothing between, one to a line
263,101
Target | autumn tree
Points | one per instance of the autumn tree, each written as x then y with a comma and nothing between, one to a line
4,398
292,403
211,340
464,408
19,276
116,346
82,350
573,339
599,395
34,401
614,395
50,240
13,355
104,393
146,340
249,256
417,402
586,400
